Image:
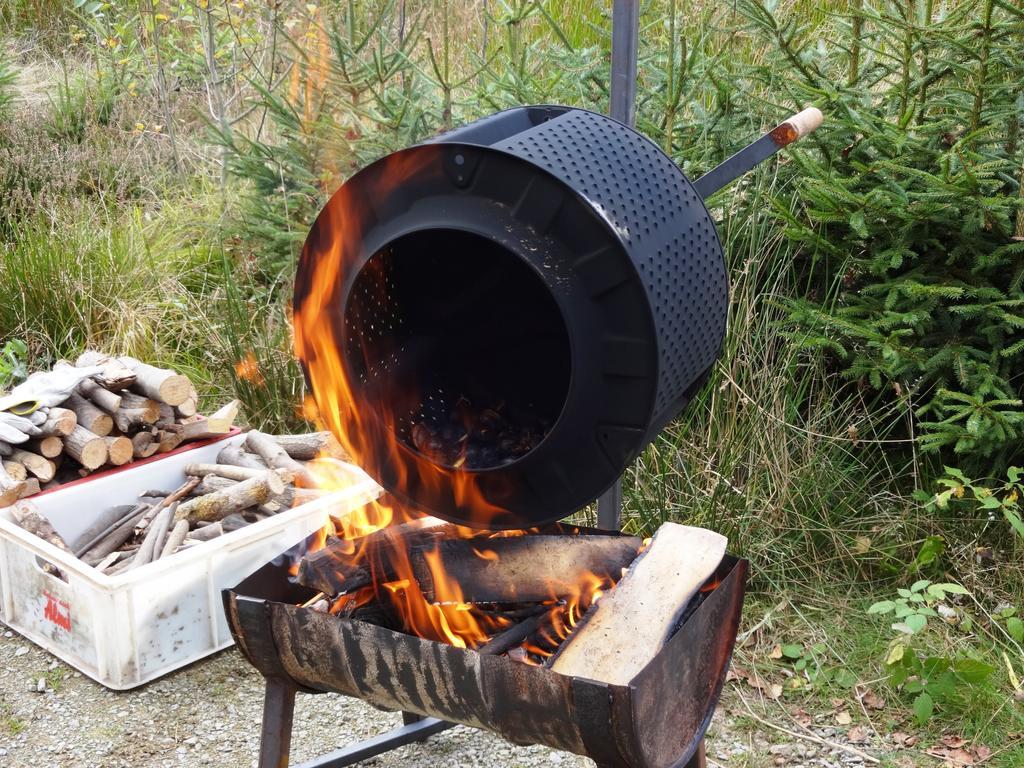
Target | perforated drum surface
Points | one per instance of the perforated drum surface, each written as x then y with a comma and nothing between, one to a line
663,224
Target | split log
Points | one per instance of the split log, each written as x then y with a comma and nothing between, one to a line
119,450
40,467
103,525
60,422
174,539
10,488
608,645
32,487
86,447
311,446
294,497
232,472
161,384
29,518
275,456
523,568
15,470
118,535
101,397
177,495
89,416
168,441
237,456
116,375
144,445
48,447
216,425
167,416
248,493
190,407
152,543
206,533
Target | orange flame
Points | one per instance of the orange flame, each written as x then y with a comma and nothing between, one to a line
248,369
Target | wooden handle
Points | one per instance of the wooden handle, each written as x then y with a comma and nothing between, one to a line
798,126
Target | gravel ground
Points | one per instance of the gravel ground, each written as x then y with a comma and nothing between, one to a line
209,714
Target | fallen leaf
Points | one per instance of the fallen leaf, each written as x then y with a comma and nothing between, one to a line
870,699
857,733
844,718
774,691
982,752
776,652
953,742
802,717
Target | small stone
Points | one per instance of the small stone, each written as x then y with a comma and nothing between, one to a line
41,684
21,651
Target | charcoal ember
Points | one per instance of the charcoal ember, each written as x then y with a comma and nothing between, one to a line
477,438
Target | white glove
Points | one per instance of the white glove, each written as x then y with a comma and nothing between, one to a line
46,389
16,429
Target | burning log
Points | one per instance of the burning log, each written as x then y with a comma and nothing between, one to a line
523,568
248,493
652,594
311,446
346,565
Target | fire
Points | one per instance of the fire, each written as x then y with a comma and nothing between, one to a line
248,369
369,433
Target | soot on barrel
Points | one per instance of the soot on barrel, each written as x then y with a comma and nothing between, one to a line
457,342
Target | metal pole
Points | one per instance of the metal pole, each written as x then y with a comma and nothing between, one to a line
625,36
622,107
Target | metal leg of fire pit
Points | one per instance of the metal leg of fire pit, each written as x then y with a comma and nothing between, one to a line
275,742
621,106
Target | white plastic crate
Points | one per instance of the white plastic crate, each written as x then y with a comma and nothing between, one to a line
127,629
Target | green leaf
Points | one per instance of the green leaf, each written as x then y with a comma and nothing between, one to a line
920,584
1015,627
917,622
953,589
1014,520
973,671
923,708
895,654
792,651
883,606
902,626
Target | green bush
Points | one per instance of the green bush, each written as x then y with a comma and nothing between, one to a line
907,224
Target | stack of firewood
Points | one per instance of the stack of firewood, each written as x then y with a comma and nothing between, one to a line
250,482
99,412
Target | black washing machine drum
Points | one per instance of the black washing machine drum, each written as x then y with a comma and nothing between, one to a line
516,309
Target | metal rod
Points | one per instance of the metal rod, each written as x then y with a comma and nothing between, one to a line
609,508
276,736
796,127
622,107
393,739
625,39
